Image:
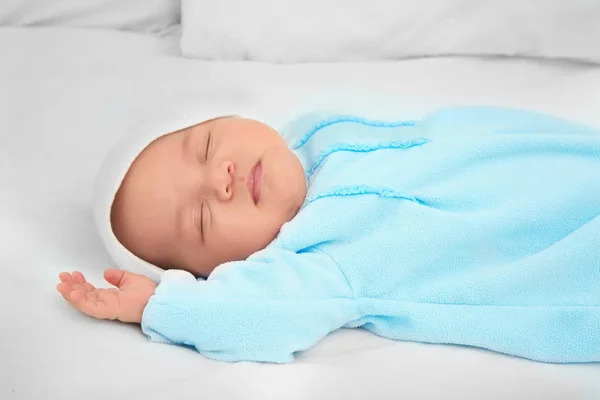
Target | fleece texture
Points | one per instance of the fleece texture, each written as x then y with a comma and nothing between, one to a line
472,226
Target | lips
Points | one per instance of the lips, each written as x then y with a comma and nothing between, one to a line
255,182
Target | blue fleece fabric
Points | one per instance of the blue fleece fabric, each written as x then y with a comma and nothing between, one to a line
473,226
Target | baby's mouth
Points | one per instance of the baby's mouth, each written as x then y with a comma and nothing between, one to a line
255,182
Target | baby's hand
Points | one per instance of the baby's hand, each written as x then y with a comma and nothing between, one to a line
126,303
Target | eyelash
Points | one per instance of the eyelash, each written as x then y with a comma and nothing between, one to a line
202,221
203,205
207,146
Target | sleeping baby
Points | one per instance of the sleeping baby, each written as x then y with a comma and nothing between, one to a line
473,226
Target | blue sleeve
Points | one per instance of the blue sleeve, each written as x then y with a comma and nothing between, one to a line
264,309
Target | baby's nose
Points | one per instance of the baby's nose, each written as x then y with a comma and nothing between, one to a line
223,180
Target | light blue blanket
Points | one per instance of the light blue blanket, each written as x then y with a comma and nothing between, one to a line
472,226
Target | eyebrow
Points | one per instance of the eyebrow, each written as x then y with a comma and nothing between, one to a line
179,214
181,210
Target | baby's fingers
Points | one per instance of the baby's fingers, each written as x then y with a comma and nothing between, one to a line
66,277
88,287
67,290
78,276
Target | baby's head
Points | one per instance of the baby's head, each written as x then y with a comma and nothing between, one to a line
211,193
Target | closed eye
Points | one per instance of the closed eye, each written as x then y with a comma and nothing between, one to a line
202,221
198,221
208,142
205,214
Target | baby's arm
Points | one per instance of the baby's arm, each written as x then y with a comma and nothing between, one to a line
264,309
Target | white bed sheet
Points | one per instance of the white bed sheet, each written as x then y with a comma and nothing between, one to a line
66,95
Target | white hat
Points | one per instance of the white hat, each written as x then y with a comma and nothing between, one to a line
113,170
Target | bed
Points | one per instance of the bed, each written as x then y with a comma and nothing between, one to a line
67,93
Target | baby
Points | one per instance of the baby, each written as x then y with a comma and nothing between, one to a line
475,226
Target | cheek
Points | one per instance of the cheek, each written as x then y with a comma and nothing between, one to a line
288,183
249,231
250,143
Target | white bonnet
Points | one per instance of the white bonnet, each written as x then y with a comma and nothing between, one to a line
115,166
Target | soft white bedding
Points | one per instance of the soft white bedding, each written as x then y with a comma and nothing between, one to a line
67,95
358,30
143,16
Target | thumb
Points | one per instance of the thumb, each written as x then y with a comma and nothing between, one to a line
115,276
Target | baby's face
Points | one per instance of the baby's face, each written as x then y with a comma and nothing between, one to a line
215,192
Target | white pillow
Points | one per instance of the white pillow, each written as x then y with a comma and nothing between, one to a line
143,16
359,30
